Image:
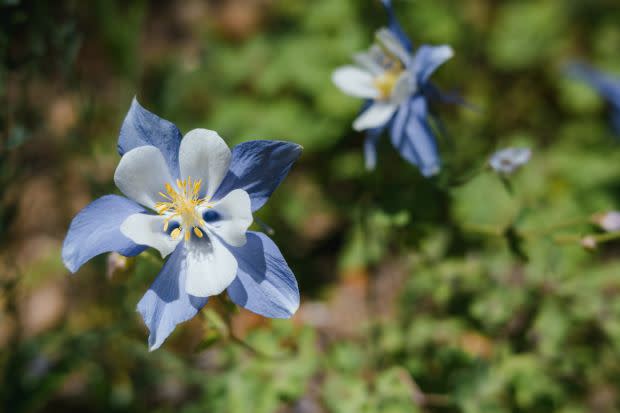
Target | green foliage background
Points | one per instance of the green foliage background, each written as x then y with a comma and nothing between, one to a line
443,295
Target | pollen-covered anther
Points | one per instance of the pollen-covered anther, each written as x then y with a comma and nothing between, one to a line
181,203
386,82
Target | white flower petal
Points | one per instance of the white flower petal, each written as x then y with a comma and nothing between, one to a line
371,60
235,216
510,159
405,86
148,230
376,115
609,221
141,174
355,82
211,267
204,155
393,45
522,155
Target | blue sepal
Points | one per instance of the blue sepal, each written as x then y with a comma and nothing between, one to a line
142,127
96,230
413,138
258,167
166,303
265,284
395,26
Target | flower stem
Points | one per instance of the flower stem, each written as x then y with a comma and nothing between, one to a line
597,238
266,228
420,398
484,229
532,233
229,335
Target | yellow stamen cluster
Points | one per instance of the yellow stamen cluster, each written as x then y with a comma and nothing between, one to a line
182,202
386,81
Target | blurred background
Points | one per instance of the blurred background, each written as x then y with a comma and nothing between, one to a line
443,295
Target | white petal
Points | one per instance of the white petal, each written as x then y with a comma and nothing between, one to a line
204,155
376,115
148,230
371,60
141,174
610,221
391,42
405,86
355,82
522,155
211,268
235,211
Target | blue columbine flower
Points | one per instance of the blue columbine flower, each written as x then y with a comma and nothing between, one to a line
607,86
395,82
506,161
192,199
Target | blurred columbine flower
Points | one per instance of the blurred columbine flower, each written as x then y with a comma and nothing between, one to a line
508,160
607,86
117,263
608,221
192,199
395,83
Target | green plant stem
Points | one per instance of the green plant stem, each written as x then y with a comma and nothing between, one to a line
597,238
253,350
230,336
484,229
420,398
527,233
532,233
507,184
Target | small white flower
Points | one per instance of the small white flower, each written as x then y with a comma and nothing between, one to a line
608,221
507,161
589,242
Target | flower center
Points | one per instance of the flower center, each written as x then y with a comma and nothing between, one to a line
506,162
182,203
386,82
